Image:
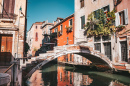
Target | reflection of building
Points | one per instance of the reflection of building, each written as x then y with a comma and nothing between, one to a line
64,78
34,37
12,30
81,80
36,79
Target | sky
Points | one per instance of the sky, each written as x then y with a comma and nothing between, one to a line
42,10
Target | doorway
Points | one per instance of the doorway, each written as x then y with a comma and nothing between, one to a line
5,49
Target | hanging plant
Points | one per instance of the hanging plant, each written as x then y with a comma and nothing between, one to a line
69,29
59,33
101,25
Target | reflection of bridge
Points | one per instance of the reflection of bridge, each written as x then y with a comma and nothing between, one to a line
84,50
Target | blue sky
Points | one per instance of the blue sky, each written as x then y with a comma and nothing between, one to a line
42,10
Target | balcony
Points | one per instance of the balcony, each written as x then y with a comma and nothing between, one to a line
7,21
53,35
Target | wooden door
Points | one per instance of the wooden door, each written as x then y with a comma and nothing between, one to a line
5,50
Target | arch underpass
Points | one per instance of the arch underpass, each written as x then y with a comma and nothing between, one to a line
82,49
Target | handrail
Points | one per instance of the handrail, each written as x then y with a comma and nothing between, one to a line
8,68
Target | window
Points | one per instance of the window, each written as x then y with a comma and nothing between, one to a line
36,27
70,23
82,22
56,29
70,57
61,28
124,51
8,9
106,38
67,40
81,3
121,17
97,46
60,76
107,49
36,38
94,0
97,39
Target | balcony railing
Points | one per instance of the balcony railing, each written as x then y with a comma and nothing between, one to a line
53,35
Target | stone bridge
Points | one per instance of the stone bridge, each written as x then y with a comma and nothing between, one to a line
81,49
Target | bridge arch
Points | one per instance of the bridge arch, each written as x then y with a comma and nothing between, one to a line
84,50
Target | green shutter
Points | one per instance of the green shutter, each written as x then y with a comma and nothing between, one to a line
82,22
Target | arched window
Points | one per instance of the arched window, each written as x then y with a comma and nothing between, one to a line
36,38
36,27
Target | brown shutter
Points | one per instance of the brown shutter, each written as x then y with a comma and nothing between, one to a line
11,8
5,8
8,8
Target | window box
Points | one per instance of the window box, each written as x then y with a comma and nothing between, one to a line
120,27
59,33
69,29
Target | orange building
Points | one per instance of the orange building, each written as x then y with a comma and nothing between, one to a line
63,34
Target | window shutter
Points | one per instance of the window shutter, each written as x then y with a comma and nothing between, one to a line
117,20
8,8
82,22
126,16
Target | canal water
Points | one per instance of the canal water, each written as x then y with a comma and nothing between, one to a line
57,75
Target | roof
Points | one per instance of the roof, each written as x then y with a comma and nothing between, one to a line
47,24
62,21
59,18
36,23
39,22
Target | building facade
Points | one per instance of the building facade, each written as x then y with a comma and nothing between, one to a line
123,36
12,30
34,38
46,37
64,30
116,45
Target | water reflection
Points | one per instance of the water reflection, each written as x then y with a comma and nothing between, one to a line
53,75
36,79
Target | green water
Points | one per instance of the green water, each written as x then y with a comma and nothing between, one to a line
57,75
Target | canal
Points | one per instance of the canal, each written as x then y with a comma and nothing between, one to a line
57,75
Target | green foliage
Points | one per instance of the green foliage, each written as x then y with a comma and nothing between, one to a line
35,49
26,47
100,23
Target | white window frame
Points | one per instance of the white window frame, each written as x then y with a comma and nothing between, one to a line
117,20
